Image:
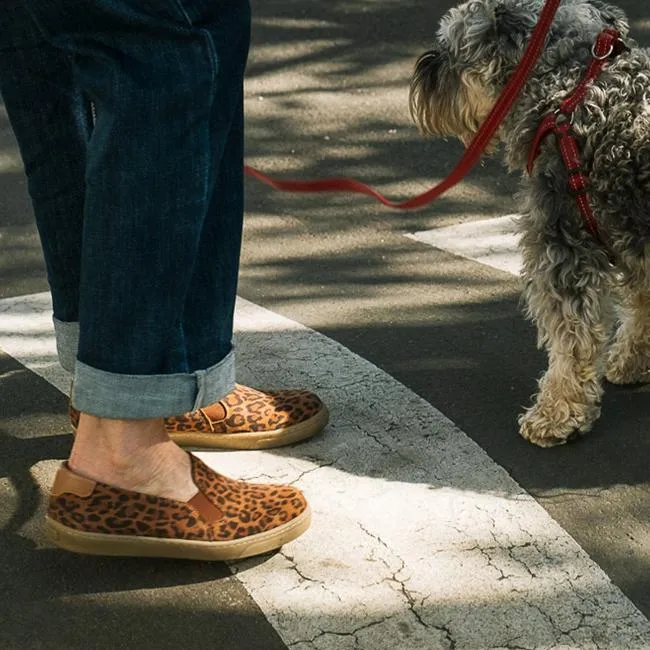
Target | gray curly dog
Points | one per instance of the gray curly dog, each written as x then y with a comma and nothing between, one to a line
588,297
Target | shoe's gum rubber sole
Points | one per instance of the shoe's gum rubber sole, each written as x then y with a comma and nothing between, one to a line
253,439
135,546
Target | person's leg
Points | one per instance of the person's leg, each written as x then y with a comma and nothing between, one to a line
159,266
168,120
161,87
52,122
153,161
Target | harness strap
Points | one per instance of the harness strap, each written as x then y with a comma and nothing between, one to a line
608,45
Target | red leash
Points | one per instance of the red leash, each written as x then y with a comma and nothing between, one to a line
608,45
474,150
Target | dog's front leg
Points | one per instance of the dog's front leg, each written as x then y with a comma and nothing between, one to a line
567,297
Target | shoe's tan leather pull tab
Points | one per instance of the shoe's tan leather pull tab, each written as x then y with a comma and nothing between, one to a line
67,482
208,511
214,413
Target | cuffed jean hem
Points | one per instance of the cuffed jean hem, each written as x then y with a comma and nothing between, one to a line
67,343
135,397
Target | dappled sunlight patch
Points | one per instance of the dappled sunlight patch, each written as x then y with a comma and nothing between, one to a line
27,334
10,163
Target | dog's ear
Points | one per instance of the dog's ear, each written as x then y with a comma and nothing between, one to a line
612,16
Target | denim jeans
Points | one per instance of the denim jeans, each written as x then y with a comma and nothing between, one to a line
129,119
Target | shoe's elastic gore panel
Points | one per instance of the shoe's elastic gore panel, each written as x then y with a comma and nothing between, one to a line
68,482
208,511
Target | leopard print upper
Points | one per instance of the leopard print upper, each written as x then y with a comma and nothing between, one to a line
247,409
246,509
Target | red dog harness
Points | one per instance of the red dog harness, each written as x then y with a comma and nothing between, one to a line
608,45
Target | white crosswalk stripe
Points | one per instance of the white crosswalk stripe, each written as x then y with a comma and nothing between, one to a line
489,241
420,541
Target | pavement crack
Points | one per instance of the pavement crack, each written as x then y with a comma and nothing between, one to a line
306,578
374,437
311,470
408,595
352,633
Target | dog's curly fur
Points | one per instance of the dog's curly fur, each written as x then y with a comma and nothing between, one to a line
592,316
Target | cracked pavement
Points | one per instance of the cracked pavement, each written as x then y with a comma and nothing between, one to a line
446,552
414,545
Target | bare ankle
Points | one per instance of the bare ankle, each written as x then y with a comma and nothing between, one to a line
132,454
113,444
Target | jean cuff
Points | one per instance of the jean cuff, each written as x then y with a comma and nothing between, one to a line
67,343
134,397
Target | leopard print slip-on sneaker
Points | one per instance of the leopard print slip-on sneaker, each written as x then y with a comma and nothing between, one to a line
226,520
247,419
251,419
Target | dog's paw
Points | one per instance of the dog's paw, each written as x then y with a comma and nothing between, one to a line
558,424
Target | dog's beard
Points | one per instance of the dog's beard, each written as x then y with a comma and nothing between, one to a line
444,103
